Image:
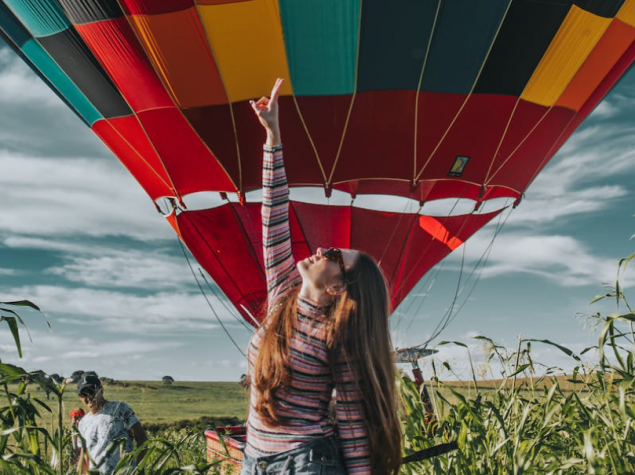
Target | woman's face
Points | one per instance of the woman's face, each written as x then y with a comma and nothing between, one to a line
324,272
92,397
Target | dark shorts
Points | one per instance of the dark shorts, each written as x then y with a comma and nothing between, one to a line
318,457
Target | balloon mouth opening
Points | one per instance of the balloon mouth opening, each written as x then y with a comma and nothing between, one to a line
315,195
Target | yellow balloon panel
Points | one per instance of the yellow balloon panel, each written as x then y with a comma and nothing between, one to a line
575,40
627,12
248,46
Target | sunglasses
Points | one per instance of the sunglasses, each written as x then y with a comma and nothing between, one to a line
334,254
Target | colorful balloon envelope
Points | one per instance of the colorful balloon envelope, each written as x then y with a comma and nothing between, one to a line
423,100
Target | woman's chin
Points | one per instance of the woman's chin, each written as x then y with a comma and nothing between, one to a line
302,266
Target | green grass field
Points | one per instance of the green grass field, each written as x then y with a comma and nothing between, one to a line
198,404
162,405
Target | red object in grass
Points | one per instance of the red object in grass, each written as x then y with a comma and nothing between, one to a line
227,444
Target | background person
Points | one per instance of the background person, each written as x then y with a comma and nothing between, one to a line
326,327
106,422
76,446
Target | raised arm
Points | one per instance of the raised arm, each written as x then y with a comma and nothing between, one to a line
276,236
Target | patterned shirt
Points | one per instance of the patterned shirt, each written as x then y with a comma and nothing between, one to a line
98,430
304,403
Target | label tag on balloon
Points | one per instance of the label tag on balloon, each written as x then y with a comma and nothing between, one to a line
458,166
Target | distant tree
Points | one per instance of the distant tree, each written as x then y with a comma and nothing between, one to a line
167,380
76,375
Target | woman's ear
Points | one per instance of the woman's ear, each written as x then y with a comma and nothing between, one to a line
335,290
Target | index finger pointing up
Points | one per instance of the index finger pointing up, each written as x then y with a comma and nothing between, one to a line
275,92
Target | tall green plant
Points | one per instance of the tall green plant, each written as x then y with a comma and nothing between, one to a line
578,423
26,447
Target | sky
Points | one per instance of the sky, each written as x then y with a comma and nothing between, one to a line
80,238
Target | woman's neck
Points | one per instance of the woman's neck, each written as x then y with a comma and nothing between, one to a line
318,296
98,406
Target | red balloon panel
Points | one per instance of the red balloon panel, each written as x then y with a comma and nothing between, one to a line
148,172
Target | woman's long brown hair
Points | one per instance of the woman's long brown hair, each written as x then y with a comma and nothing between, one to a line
358,331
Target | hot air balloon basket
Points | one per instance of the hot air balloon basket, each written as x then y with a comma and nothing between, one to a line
226,444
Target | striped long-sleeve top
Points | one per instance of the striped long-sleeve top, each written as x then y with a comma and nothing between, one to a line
304,403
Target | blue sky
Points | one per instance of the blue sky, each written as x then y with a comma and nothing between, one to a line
79,237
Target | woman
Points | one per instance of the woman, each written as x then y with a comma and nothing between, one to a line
326,328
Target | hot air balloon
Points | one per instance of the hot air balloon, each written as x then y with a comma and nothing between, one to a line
418,101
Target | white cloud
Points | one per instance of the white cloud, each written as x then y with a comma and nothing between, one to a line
8,271
131,269
547,206
18,84
560,259
593,153
52,245
52,350
109,265
606,109
581,179
34,120
159,313
74,197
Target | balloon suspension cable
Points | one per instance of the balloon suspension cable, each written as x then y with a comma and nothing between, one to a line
220,298
445,320
422,253
394,231
431,278
449,317
483,260
208,302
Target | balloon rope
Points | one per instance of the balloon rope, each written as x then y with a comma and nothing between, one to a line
546,157
428,277
229,102
426,250
423,253
136,116
308,134
405,249
423,68
469,94
394,231
171,185
139,156
214,253
350,109
502,139
484,259
448,317
520,144
432,278
548,154
433,237
208,302
221,298
169,91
